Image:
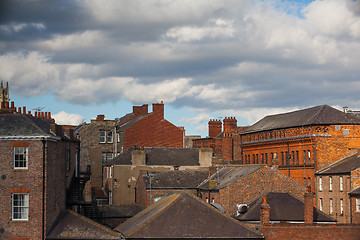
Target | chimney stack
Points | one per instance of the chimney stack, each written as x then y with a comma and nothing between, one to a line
230,123
215,128
100,117
140,110
265,213
158,108
309,208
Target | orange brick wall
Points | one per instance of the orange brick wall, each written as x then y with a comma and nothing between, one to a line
154,131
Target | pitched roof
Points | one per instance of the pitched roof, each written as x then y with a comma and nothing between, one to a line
228,175
319,115
70,225
175,179
22,125
355,192
283,207
128,124
184,216
345,165
120,211
161,156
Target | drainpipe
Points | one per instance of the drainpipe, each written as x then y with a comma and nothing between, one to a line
43,190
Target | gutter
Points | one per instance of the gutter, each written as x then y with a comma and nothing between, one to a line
47,137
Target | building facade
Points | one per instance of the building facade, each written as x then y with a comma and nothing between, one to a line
38,160
300,143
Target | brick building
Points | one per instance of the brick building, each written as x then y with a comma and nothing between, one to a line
301,142
232,185
146,129
152,186
334,183
38,161
223,138
99,144
310,229
355,205
123,171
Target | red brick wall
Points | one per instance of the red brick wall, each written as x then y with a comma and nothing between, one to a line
153,131
354,214
31,180
320,231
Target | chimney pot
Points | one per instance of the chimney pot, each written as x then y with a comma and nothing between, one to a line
19,110
100,117
12,105
24,110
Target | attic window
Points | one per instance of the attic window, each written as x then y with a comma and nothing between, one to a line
337,127
346,131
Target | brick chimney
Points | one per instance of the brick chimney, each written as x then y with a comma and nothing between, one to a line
230,123
205,156
138,157
100,117
308,207
140,110
265,213
215,128
158,108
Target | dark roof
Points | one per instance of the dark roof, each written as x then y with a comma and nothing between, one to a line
320,115
227,175
161,156
345,165
283,207
128,124
175,179
121,211
355,192
184,216
70,225
17,125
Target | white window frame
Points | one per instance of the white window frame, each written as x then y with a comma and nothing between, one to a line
102,136
330,183
320,204
109,156
341,206
331,206
109,137
357,204
320,184
103,157
18,152
341,183
20,207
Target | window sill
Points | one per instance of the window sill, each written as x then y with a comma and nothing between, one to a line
20,221
20,169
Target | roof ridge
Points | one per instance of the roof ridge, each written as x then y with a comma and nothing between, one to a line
315,115
92,222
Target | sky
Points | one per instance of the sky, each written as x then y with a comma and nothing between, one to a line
206,59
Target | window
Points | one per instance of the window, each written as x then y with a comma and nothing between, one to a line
282,158
297,157
320,184
257,158
320,204
293,158
102,136
309,182
331,206
357,202
157,198
20,157
341,207
109,137
103,158
305,183
262,158
341,183
346,131
266,158
309,157
304,154
109,156
330,183
20,206
67,159
287,158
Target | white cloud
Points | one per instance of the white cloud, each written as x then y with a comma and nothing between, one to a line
196,120
64,118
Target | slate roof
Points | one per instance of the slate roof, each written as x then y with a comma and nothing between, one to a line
228,175
343,166
161,156
355,192
128,124
184,216
319,115
175,179
21,125
283,207
121,211
70,225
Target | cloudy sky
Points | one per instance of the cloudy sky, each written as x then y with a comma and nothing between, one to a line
204,59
